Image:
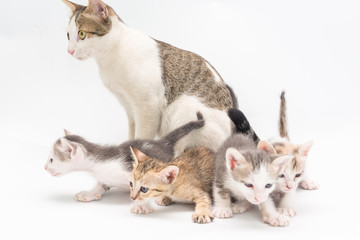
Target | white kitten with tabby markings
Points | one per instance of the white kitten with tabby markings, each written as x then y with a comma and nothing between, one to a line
293,173
110,165
246,174
160,86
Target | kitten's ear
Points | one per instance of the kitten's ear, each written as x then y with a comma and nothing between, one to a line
73,6
67,133
169,174
234,159
99,8
138,155
72,150
280,162
305,148
267,147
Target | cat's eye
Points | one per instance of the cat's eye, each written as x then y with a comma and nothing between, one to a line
281,176
298,175
249,185
268,185
51,160
144,189
131,184
68,36
82,35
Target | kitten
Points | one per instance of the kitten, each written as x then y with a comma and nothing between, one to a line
110,165
245,172
294,173
188,178
160,86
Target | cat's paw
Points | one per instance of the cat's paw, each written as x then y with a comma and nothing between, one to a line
141,209
221,212
290,212
202,217
87,196
163,201
240,208
309,185
277,220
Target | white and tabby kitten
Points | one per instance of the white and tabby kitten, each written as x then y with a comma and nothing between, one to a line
160,86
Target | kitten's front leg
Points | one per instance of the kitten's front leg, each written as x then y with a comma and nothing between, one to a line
308,184
222,202
94,194
240,206
202,212
271,216
163,201
286,205
141,208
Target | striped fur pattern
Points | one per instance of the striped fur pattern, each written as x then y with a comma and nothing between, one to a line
283,126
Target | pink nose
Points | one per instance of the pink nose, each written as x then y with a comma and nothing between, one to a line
45,167
71,52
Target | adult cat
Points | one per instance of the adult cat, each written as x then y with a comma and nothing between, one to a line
160,86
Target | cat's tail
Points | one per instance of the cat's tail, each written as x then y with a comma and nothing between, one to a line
283,128
173,137
242,124
233,97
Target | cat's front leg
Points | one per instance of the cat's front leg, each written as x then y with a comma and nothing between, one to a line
202,212
222,203
147,121
286,205
141,208
271,215
240,206
94,194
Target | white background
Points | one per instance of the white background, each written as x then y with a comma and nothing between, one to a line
309,48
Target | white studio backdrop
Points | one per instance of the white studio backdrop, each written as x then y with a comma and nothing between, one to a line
308,48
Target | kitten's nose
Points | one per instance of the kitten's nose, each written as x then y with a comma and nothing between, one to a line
45,167
71,52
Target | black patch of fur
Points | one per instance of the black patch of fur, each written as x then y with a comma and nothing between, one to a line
242,124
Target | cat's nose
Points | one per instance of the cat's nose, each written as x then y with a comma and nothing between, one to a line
71,52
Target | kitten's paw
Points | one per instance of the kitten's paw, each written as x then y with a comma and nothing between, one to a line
221,212
87,196
240,208
309,185
141,209
290,212
163,201
277,220
202,217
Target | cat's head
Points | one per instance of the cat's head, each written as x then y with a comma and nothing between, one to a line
150,178
89,28
254,172
293,172
65,156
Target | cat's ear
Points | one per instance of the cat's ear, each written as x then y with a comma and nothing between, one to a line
234,159
73,6
67,133
138,155
266,146
169,174
98,8
71,149
280,162
305,148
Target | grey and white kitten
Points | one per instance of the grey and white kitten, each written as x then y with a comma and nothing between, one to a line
160,86
110,165
245,174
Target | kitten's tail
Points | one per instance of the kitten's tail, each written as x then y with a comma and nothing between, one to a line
283,128
180,132
233,97
242,124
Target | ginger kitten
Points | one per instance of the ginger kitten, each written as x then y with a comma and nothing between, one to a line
188,178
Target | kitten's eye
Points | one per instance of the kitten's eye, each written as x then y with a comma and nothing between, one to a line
298,175
82,35
144,189
268,185
68,36
131,184
51,160
281,176
249,185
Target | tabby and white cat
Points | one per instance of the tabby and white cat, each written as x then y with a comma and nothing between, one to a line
188,178
110,165
160,86
246,174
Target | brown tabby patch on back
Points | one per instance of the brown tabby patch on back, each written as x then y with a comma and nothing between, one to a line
184,72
